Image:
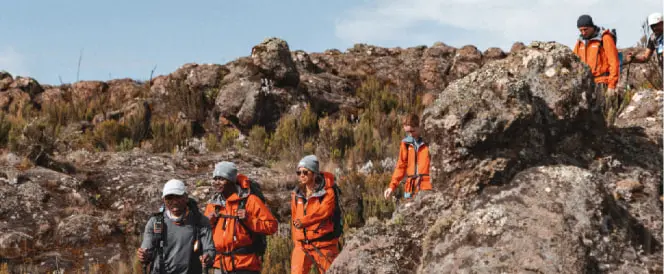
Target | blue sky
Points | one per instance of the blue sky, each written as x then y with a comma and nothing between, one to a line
44,38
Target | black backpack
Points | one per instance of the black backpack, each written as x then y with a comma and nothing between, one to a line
258,240
338,216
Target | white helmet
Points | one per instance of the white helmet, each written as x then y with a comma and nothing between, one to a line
654,18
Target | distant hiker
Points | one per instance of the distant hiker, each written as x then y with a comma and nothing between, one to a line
597,48
240,220
413,161
655,43
178,239
316,218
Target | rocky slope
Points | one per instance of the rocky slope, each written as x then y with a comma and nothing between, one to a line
528,180
527,176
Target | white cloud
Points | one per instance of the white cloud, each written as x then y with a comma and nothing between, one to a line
487,23
13,62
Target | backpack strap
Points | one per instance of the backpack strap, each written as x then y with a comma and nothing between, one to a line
159,239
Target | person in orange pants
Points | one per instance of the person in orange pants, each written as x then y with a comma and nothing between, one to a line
413,161
236,213
312,209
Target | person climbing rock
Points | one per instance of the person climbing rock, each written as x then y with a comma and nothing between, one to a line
413,161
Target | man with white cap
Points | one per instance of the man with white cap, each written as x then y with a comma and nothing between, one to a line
179,239
654,44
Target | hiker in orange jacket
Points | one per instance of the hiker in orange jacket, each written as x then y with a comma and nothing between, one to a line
312,209
597,48
233,226
413,161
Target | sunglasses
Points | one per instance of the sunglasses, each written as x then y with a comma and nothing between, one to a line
302,172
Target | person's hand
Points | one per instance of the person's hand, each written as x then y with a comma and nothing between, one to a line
205,259
297,223
387,193
143,255
628,57
242,214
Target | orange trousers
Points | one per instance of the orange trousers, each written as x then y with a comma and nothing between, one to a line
305,255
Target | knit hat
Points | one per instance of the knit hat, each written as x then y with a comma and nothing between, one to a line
309,162
226,170
585,21
174,187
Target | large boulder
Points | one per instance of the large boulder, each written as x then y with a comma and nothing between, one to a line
507,115
329,93
436,64
273,57
557,219
644,113
467,59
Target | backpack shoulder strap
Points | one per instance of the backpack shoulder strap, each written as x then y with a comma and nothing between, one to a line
159,237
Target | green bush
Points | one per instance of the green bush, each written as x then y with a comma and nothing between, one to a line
277,256
259,141
229,137
168,134
5,128
212,142
109,134
335,138
127,144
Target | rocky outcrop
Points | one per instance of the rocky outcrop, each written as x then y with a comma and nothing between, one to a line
273,57
527,179
507,115
557,219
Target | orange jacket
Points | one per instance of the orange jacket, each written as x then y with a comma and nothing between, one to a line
314,213
602,60
234,235
409,160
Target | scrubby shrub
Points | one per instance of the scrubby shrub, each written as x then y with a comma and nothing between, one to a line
190,101
229,137
108,134
363,198
35,140
335,138
212,142
259,141
168,134
277,256
5,128
126,145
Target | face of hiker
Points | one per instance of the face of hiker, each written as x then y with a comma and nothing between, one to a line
305,176
587,32
412,131
221,185
657,28
176,204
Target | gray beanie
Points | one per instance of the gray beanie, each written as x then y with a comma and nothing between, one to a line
584,21
309,162
226,170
